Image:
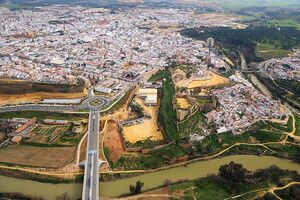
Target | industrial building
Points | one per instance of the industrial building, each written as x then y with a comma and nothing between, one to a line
149,95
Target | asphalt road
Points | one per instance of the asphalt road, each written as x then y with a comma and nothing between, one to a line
50,107
91,171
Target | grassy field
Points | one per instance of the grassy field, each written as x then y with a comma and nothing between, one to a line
267,51
283,23
37,156
240,4
40,115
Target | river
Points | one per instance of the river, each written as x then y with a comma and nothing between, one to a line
151,180
243,61
260,86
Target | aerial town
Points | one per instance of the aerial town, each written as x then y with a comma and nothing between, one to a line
97,98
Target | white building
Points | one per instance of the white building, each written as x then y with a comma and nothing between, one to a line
149,94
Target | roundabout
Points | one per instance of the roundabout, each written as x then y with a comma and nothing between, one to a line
97,102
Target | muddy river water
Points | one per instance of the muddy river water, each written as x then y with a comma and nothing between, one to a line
154,179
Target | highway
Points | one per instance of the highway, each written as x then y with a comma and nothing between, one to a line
92,163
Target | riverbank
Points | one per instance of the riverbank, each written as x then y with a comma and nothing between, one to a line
151,180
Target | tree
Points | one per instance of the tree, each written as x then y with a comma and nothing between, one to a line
137,188
132,189
168,184
234,175
64,196
269,196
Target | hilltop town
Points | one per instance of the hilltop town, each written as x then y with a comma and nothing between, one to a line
141,89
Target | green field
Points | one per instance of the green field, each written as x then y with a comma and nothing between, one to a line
267,51
283,23
40,115
240,4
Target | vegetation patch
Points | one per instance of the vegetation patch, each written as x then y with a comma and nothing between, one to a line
245,40
268,51
192,125
167,115
159,76
18,87
233,179
40,115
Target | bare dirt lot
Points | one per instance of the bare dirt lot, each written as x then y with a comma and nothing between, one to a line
210,79
113,141
53,157
37,96
147,129
20,91
183,103
215,80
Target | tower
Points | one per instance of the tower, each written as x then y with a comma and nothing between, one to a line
210,42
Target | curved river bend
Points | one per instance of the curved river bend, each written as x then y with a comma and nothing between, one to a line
154,179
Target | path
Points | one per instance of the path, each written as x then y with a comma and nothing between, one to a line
271,190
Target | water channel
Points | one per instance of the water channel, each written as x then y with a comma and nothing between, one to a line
151,180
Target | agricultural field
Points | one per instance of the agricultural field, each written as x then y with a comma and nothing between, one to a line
52,135
241,4
52,157
47,134
283,23
267,51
